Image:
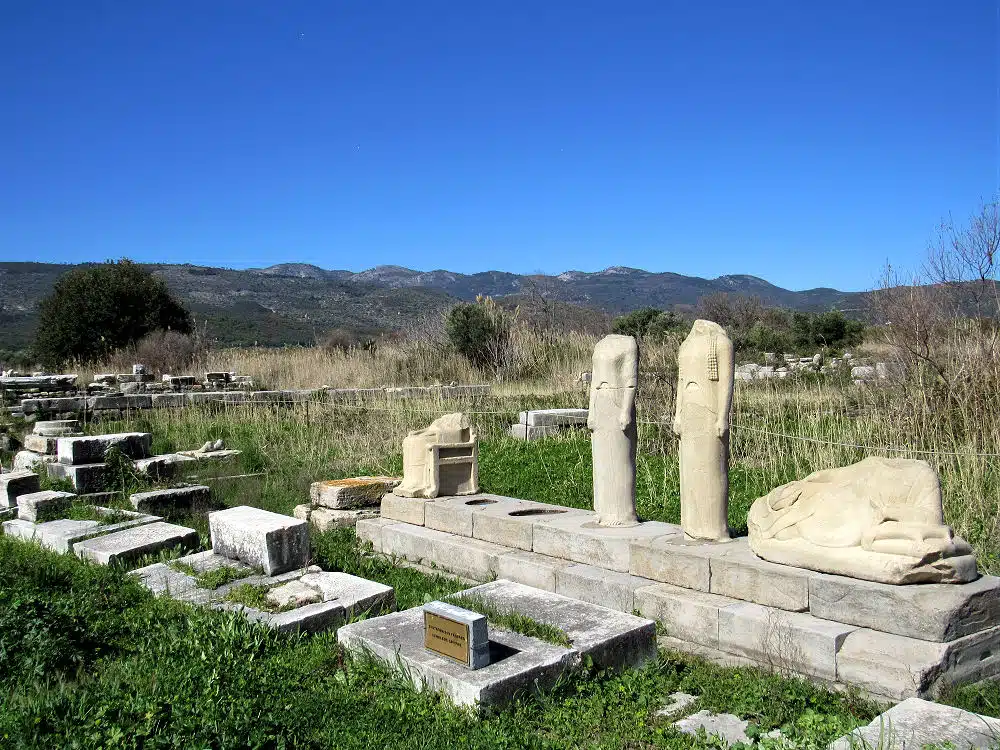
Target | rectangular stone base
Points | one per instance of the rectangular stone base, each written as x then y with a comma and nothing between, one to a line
776,631
131,544
61,534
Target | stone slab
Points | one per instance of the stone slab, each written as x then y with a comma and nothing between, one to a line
171,501
357,492
512,523
370,530
292,595
730,728
13,484
612,639
785,641
325,519
46,505
162,467
899,667
577,537
929,611
531,569
61,534
31,461
56,427
131,544
41,444
358,596
84,478
916,723
471,558
738,573
262,539
93,448
527,432
554,417
600,586
405,509
397,640
311,618
672,559
686,614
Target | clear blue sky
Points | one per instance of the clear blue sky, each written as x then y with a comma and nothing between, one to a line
803,142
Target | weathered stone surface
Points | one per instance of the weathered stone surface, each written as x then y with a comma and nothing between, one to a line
670,558
398,640
916,723
166,502
161,578
56,428
880,519
678,702
131,544
61,534
531,569
554,417
740,574
527,432
899,667
790,641
311,618
406,509
370,530
613,639
358,492
730,728
686,614
327,518
599,586
293,594
512,523
442,459
41,444
93,448
31,461
168,400
269,541
84,478
13,484
930,611
162,467
453,515
716,656
577,537
43,506
356,595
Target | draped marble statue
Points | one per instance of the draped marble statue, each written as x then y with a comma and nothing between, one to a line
878,520
612,421
706,371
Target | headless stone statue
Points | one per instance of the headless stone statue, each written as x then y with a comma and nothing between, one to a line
704,397
612,421
878,520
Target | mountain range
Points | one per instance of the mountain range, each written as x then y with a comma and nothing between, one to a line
298,303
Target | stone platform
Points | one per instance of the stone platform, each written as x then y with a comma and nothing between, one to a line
611,639
60,535
718,600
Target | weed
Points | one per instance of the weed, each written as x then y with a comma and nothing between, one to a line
511,620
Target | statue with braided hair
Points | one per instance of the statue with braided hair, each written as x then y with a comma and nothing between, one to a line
704,397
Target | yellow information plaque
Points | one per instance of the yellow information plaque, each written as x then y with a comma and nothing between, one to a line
446,637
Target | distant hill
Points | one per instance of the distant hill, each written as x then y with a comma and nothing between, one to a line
297,302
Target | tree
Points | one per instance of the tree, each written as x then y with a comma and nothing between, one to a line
480,331
96,310
648,323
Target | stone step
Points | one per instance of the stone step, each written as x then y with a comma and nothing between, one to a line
43,506
13,484
169,501
131,544
93,449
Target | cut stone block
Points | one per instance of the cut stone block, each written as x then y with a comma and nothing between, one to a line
370,530
41,444
293,594
899,667
358,596
917,723
788,641
161,578
578,538
686,614
470,558
325,519
93,449
673,559
405,509
518,662
554,417
716,656
740,574
168,400
269,541
527,432
312,618
612,639
454,514
131,544
84,478
930,611
61,534
31,461
166,502
56,428
13,484
476,653
359,492
512,523
600,586
161,467
531,569
43,506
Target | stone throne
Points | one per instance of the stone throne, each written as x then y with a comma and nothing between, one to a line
442,459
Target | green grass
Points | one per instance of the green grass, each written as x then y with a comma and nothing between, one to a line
85,512
251,595
92,660
213,579
511,620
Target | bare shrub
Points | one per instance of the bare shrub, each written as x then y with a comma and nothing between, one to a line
168,352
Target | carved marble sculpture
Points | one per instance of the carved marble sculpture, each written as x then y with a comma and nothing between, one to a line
878,520
706,371
442,459
612,421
